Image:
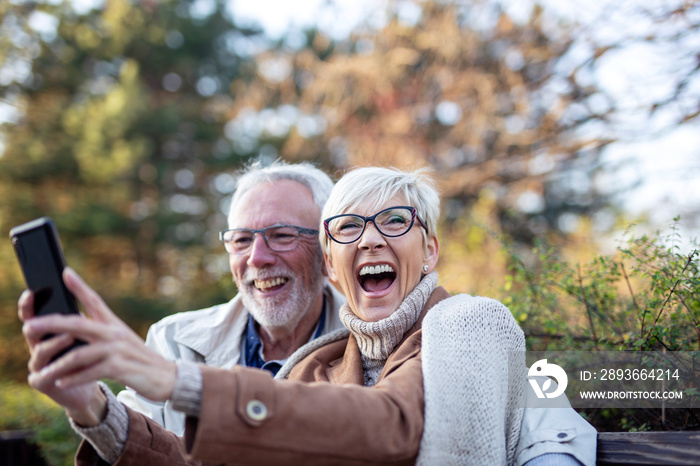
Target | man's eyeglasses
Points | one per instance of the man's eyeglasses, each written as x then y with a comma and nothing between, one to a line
391,222
278,238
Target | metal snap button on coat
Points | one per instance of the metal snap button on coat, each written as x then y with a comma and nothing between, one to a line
256,410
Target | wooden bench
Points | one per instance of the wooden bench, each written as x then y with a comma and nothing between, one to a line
15,450
649,448
624,448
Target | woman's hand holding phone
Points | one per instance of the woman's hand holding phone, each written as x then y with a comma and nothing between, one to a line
113,351
84,403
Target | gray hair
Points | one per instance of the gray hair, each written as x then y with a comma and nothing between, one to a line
376,186
318,182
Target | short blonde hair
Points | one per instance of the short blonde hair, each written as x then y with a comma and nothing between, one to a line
376,186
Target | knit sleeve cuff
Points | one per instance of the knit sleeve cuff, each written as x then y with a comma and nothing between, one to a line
187,395
109,437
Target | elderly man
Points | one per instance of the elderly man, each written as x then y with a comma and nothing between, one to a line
283,299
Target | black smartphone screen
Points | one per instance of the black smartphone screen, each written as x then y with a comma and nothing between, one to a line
41,258
40,255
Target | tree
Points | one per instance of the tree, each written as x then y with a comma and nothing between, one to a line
644,55
125,123
469,91
117,133
483,105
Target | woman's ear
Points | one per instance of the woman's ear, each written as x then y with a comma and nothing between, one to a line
432,251
330,271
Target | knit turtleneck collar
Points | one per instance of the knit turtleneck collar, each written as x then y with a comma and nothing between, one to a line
377,340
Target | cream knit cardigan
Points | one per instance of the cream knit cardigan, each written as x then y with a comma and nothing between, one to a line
473,359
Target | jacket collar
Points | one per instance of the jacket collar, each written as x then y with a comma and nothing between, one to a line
438,294
348,369
216,334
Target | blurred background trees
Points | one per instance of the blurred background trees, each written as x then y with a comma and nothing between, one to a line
126,121
117,121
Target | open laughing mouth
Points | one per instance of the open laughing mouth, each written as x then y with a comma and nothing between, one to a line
376,278
270,284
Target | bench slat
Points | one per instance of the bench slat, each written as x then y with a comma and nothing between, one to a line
649,448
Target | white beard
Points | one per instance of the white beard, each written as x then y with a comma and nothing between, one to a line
283,311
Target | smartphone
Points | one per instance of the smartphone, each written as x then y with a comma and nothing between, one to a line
41,259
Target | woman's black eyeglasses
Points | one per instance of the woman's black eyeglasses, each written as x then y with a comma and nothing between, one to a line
391,222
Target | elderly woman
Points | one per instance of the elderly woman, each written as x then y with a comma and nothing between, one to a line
421,376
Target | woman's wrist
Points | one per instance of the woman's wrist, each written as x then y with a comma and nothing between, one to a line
108,438
95,411
166,382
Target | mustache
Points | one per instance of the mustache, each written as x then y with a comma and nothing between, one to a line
251,275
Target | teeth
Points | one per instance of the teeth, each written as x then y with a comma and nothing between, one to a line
371,270
265,284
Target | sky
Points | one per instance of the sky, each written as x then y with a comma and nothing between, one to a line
665,163
338,19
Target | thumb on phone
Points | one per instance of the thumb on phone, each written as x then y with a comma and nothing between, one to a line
25,306
94,305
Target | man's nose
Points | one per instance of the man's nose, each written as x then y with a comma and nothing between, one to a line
260,253
371,238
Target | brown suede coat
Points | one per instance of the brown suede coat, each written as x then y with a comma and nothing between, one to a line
336,423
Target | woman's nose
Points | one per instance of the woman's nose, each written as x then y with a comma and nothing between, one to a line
371,238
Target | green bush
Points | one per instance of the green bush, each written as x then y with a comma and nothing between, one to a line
645,297
27,409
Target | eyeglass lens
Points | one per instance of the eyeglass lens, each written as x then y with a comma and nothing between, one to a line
281,238
390,222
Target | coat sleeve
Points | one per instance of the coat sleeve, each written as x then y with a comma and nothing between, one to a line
147,444
557,429
249,418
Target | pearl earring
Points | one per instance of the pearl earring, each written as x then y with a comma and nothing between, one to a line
425,269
